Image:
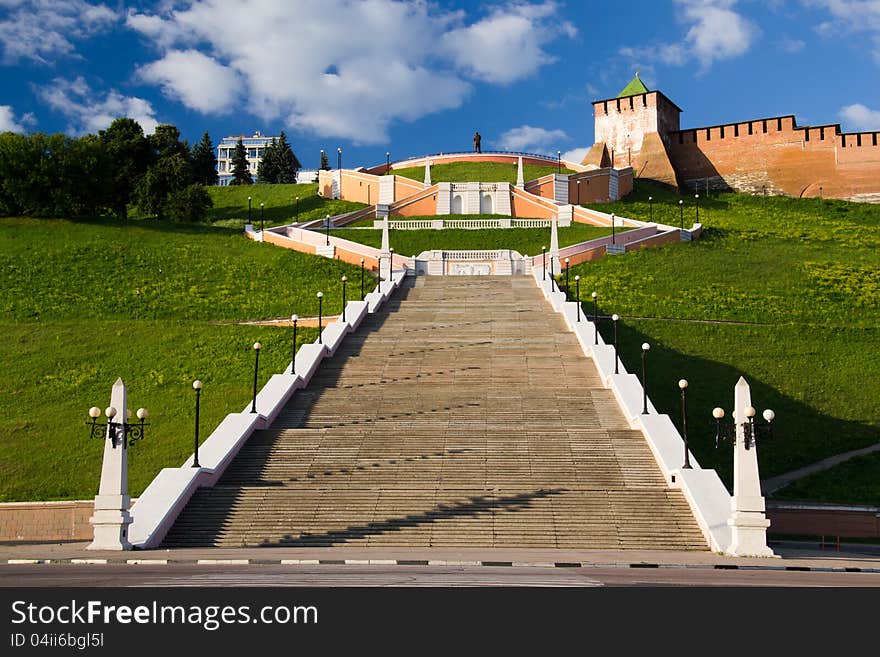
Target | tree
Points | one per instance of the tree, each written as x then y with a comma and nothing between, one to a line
325,163
204,162
268,169
188,204
166,176
240,173
129,153
287,162
165,141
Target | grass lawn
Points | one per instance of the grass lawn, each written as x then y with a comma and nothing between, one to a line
783,291
281,207
855,482
527,241
86,302
477,172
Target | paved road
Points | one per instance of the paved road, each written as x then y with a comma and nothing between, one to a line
185,575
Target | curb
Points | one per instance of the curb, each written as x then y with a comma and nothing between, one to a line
430,562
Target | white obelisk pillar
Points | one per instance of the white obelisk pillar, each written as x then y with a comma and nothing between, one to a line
520,182
554,246
747,520
111,518
428,172
385,252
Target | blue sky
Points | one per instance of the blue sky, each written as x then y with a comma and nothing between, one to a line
415,77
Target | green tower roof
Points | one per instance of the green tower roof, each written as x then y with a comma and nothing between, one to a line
635,87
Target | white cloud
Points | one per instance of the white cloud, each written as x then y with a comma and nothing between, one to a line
87,111
860,118
8,122
43,29
530,139
851,17
576,154
717,31
714,32
791,46
508,44
195,79
340,68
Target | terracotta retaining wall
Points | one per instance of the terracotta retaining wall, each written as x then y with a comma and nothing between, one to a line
816,521
46,521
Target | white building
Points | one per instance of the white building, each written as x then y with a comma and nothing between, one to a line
254,148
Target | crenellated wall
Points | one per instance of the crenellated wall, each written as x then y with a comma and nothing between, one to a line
776,156
767,155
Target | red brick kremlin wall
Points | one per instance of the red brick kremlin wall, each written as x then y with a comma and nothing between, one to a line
772,155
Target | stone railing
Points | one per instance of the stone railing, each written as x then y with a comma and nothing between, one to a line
475,255
463,224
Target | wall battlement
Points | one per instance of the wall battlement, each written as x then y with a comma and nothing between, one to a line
764,155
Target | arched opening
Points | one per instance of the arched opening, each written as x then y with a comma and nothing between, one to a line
457,204
486,204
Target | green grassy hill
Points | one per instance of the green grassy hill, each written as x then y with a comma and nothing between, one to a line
281,206
477,172
783,291
86,302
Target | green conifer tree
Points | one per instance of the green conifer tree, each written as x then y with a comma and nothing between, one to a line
240,173
204,162
287,162
267,170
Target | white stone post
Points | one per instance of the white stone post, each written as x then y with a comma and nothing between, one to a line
111,518
428,173
385,253
554,247
747,521
520,182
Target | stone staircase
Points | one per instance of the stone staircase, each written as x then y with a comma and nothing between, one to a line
462,414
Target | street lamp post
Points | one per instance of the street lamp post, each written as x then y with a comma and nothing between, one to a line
681,212
578,202
558,161
120,433
249,211
320,315
544,262
387,161
614,319
651,206
683,384
344,281
645,348
257,347
339,158
362,279
197,386
567,288
595,296
577,287
697,203
296,210
327,231
294,319
390,263
613,221
262,206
